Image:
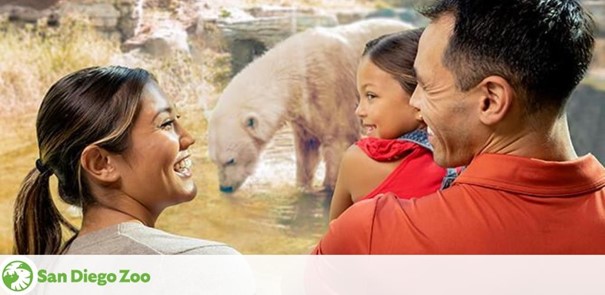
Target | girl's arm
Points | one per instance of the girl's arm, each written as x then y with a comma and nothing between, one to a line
342,199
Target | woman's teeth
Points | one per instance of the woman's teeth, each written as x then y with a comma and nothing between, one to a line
183,165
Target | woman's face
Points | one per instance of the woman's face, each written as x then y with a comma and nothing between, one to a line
156,168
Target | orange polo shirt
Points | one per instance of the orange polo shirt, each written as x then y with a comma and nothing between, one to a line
500,204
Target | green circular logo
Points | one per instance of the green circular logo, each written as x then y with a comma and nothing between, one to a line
17,276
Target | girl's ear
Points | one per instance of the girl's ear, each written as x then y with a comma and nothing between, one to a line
99,165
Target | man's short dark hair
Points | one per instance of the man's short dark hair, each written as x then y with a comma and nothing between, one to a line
542,47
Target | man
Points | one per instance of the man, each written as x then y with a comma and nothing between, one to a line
493,81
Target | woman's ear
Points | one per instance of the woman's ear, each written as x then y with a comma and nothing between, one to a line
99,164
497,101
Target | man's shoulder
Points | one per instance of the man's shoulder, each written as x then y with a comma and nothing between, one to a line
361,227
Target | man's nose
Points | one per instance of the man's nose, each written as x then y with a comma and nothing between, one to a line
415,99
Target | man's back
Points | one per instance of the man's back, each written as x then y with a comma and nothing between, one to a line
499,204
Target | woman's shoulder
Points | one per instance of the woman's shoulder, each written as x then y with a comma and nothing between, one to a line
136,238
167,243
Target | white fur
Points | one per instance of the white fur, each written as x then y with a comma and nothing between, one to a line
307,80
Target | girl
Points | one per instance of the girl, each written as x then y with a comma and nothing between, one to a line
396,156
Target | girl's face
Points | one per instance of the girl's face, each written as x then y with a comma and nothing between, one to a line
384,107
156,167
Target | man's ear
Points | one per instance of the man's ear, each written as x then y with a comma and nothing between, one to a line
99,164
497,99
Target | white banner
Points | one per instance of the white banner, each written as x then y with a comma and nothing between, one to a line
298,274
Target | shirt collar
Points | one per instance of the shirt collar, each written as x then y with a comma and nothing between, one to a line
533,176
418,136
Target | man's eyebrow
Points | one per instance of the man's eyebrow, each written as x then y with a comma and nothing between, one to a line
415,73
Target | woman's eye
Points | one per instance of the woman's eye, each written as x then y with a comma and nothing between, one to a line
167,125
370,96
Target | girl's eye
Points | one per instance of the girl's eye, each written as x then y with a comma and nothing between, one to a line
167,125
370,96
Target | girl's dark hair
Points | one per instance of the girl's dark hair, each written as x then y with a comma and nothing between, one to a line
91,106
395,54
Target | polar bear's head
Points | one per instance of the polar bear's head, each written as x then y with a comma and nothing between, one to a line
248,113
235,142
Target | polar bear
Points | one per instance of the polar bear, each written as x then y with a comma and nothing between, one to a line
307,80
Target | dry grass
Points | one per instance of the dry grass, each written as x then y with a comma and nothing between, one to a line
32,59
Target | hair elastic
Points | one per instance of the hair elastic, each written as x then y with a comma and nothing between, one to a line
41,167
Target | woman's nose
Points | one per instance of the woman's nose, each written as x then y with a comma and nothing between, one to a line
185,139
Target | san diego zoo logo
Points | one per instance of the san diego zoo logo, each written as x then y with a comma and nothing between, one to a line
18,275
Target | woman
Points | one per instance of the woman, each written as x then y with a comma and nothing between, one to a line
118,150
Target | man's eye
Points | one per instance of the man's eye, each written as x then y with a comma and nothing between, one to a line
230,162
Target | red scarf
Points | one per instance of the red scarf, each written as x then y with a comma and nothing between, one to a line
385,150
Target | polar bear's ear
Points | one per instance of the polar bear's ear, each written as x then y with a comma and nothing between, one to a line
253,126
251,121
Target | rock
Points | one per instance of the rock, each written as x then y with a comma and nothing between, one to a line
407,15
597,9
163,39
24,14
127,20
350,16
34,4
586,118
249,39
103,16
273,11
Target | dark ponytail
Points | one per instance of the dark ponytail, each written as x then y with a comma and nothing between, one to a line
37,221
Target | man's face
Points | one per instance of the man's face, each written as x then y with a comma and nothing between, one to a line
450,114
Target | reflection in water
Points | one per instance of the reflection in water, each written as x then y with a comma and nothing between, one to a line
301,214
277,164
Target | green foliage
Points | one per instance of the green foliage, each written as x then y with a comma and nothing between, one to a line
381,4
225,13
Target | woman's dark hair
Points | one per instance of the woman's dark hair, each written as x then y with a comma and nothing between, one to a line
395,54
95,105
